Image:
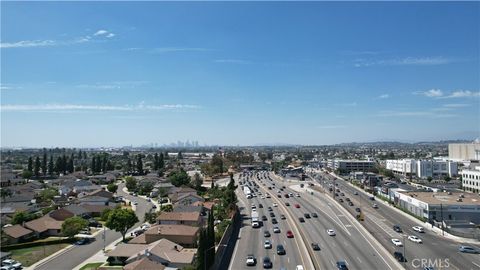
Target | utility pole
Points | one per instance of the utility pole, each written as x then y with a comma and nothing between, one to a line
103,237
441,211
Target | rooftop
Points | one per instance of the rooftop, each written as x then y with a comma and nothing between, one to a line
445,198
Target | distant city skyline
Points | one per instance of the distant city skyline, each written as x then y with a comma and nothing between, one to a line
92,74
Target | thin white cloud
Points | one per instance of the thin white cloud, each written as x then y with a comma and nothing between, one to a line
46,43
113,85
432,93
77,107
456,105
232,61
437,93
407,61
351,104
101,33
384,96
431,114
462,94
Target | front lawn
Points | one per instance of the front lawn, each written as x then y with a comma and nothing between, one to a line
91,266
31,255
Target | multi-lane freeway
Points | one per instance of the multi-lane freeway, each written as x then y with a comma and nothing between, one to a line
434,251
351,244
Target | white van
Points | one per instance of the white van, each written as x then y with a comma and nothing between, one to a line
299,267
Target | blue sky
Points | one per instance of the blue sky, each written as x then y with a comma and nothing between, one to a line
122,73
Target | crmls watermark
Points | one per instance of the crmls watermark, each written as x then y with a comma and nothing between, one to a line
435,263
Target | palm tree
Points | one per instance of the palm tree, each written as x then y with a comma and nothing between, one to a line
5,192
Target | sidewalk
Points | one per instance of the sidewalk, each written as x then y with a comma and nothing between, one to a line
100,256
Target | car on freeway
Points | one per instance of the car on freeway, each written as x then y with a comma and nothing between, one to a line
266,234
397,242
355,193
289,234
340,200
275,205
267,263
135,203
314,215
267,244
375,206
415,239
399,256
306,215
342,265
279,196
287,204
350,203
276,229
290,194
331,232
272,214
372,198
397,228
282,217
286,196
264,218
281,250
274,221
270,209
315,246
297,205
418,229
297,195
468,249
260,205
299,267
301,219
347,199
342,194
251,260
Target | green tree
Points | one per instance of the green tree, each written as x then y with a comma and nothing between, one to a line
166,208
179,177
72,226
155,162
179,155
447,178
36,167
4,193
44,162
165,156
131,183
70,166
139,165
429,179
105,213
47,194
197,181
121,220
27,174
202,247
128,166
150,217
210,239
145,188
161,161
112,187
94,165
20,217
50,166
30,164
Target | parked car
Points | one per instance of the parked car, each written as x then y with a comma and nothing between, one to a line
82,241
11,264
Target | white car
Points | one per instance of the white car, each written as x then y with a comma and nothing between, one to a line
253,205
297,195
331,232
276,229
415,239
267,244
263,197
290,194
397,242
418,229
275,205
135,203
11,264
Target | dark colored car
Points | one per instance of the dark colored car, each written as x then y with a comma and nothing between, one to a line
306,215
266,234
358,210
281,250
279,196
347,199
342,265
274,221
315,246
267,263
340,200
272,214
301,219
260,206
350,203
314,215
467,249
264,218
399,256
287,204
82,241
397,228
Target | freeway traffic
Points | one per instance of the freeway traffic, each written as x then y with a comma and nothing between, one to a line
435,251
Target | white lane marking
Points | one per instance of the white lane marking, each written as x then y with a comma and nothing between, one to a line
332,262
285,243
476,265
348,225
288,259
359,260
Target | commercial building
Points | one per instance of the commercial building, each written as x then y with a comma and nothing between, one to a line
464,151
435,168
471,179
438,206
347,166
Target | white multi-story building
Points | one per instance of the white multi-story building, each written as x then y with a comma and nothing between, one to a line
406,167
423,168
464,151
471,179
